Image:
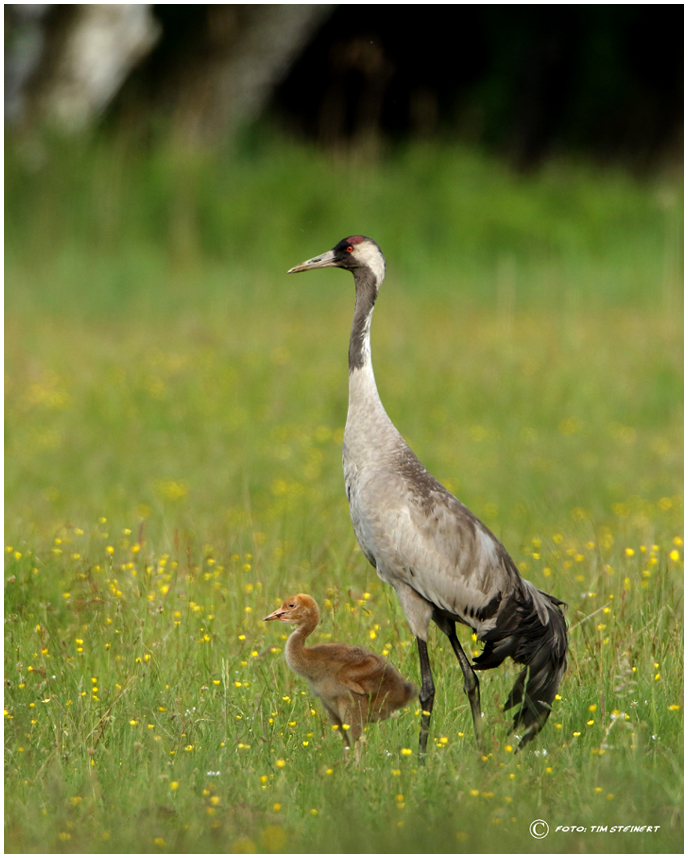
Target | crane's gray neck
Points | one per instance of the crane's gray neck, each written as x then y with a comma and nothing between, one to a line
366,293
368,428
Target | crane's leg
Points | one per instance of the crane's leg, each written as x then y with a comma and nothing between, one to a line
470,684
426,696
337,722
355,718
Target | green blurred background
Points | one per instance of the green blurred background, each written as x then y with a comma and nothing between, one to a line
151,216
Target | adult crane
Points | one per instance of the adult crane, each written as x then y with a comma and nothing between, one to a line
443,562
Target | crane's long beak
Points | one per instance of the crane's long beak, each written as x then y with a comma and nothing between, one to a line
325,260
275,615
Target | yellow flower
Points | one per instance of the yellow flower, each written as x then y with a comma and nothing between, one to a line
280,764
276,806
406,752
174,785
675,555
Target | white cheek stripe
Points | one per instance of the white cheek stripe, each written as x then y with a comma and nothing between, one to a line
369,255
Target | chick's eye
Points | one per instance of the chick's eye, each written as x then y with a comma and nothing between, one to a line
290,605
350,249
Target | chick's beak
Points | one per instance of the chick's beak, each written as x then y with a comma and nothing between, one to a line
275,615
325,260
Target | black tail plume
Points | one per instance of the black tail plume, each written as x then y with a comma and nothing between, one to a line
532,630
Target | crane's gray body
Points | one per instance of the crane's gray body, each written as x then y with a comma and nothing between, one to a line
436,554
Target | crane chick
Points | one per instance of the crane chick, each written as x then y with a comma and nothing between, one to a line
355,685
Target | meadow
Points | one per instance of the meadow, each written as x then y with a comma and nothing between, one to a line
174,413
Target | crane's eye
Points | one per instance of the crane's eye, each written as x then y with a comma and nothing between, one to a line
350,249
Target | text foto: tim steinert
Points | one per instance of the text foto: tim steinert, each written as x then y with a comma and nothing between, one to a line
606,829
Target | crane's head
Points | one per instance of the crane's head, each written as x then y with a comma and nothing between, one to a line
357,253
296,609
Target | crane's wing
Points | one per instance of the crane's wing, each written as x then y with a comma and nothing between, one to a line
427,539
365,674
358,669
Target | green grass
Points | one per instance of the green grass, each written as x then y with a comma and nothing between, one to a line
174,411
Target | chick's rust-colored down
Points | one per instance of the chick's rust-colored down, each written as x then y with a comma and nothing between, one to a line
355,685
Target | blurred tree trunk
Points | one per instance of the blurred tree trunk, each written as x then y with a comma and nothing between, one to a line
66,62
229,76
